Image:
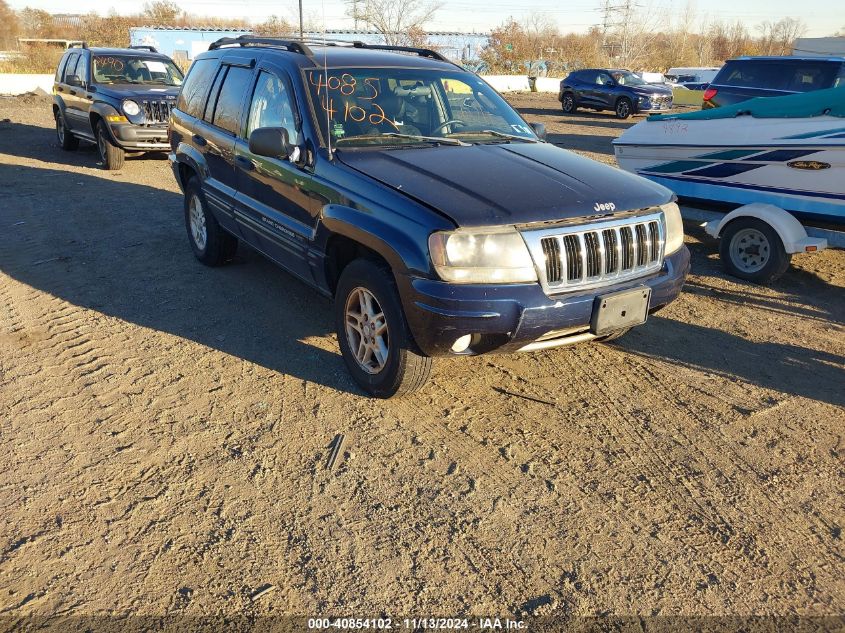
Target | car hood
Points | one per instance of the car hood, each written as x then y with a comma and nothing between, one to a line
134,91
651,89
514,183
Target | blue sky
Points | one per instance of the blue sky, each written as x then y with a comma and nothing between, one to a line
823,17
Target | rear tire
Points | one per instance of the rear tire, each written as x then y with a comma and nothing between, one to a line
568,104
373,334
110,154
212,244
752,250
624,108
67,141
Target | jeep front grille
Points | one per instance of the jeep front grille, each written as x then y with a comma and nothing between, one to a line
589,255
157,111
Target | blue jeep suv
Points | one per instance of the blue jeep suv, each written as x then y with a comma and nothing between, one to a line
118,98
407,189
620,91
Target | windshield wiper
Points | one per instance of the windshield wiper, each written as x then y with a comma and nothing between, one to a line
514,137
414,137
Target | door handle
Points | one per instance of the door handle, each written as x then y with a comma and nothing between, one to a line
244,163
60,89
73,92
199,140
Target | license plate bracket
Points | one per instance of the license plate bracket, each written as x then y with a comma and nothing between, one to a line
619,310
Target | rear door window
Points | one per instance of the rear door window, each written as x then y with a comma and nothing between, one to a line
61,69
753,74
82,68
587,76
227,110
70,67
195,89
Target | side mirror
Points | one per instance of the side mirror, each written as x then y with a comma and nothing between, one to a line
73,80
539,130
272,142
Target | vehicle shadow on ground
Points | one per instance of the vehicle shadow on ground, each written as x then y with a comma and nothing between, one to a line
42,145
121,249
790,369
796,286
596,144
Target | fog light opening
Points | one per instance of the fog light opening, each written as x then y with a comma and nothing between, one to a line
462,343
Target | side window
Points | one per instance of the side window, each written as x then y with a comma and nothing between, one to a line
840,79
603,78
70,67
61,68
809,77
82,68
195,89
272,106
227,111
214,95
587,76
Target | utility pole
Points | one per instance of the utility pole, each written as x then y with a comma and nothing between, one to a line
301,30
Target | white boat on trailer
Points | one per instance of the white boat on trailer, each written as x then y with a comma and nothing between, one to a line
773,163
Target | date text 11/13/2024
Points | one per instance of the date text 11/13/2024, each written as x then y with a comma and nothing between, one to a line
416,624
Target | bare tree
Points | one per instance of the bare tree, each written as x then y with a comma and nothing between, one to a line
8,26
396,20
164,12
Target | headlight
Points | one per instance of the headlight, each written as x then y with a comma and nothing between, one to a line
481,256
674,227
131,108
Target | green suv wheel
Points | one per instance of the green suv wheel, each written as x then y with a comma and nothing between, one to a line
67,141
373,334
110,154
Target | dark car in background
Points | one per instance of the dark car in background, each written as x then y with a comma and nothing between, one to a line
118,98
744,78
618,90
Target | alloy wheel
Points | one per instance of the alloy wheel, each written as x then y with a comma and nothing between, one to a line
366,330
196,214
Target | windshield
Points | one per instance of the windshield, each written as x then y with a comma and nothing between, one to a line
628,79
401,106
132,69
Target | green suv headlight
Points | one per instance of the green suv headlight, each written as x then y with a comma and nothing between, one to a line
481,256
131,107
674,227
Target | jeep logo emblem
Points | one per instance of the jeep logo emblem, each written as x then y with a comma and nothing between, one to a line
605,206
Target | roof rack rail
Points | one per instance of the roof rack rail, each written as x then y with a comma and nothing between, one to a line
152,49
250,40
422,52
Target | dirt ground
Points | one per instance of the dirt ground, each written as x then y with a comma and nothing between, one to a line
164,431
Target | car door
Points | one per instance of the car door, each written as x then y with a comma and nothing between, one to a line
215,135
275,204
586,87
604,92
69,94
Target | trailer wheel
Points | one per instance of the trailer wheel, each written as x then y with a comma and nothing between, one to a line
752,250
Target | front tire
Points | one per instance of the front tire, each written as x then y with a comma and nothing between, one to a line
110,154
624,108
752,250
211,244
67,141
373,334
568,104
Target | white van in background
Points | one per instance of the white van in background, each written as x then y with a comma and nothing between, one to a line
696,76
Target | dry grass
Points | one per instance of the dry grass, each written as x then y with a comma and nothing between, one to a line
34,59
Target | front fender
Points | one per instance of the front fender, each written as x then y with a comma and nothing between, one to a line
103,110
404,251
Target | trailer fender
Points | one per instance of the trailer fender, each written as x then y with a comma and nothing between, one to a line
790,230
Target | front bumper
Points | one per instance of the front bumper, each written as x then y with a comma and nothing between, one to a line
648,105
140,138
508,318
